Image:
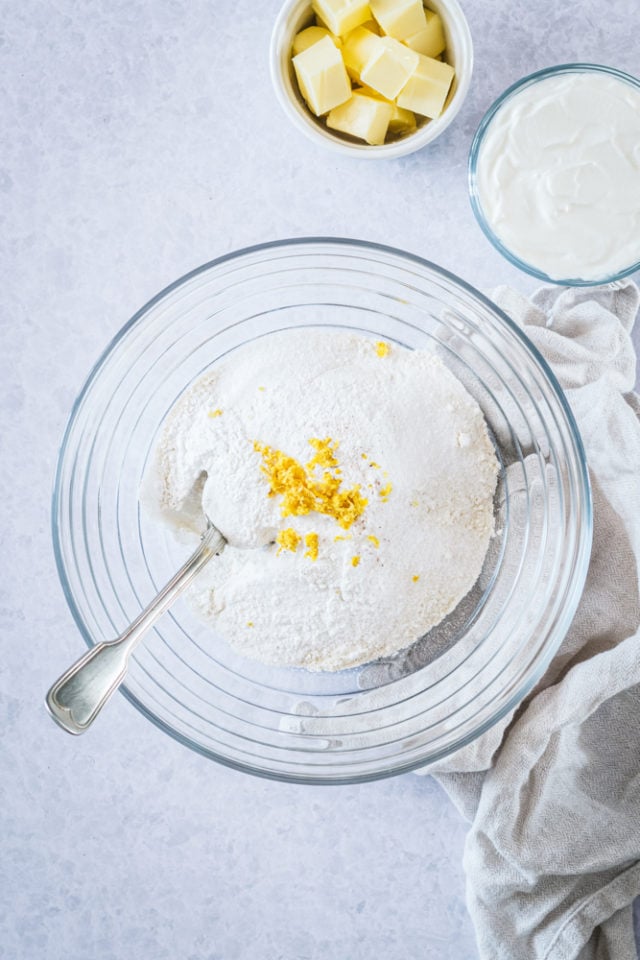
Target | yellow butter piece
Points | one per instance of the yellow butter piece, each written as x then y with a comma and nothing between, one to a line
430,42
373,26
341,16
399,18
370,92
426,89
364,117
402,121
359,46
389,67
322,76
307,38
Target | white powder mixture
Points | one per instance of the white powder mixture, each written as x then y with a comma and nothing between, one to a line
404,469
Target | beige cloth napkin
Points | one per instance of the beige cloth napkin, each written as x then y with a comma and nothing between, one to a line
552,857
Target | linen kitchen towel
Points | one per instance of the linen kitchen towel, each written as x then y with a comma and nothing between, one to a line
552,857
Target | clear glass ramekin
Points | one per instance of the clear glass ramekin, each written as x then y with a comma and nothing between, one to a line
513,90
389,716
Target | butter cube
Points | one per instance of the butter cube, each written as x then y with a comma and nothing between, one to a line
307,38
370,92
430,42
322,77
364,117
341,16
426,89
389,67
399,18
359,46
402,121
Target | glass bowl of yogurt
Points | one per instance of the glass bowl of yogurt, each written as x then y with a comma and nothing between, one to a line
409,706
554,174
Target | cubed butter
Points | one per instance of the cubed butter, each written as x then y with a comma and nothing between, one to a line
307,38
359,46
322,76
399,18
364,117
369,92
426,89
402,121
430,42
389,67
341,16
373,26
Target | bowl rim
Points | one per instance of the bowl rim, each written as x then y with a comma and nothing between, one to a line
309,126
583,537
476,144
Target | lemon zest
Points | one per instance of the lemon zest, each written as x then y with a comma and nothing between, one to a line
303,492
325,455
311,542
288,539
385,491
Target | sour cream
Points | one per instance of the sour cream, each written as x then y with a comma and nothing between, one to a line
558,175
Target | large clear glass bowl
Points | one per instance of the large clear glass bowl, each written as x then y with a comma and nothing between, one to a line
385,717
474,155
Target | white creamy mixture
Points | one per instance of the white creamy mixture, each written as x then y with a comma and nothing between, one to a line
558,176
381,461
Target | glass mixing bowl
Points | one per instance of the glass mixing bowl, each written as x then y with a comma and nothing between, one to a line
385,717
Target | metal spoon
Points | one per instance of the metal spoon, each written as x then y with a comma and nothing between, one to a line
76,699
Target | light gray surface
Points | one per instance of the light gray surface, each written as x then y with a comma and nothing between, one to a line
141,139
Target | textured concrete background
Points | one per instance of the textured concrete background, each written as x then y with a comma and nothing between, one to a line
139,140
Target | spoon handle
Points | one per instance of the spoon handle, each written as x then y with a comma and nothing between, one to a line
78,696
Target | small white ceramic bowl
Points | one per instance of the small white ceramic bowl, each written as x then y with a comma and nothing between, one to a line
297,14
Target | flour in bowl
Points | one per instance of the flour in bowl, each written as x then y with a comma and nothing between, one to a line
354,482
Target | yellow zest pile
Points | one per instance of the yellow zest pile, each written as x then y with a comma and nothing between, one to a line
314,487
288,540
302,493
382,348
311,543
